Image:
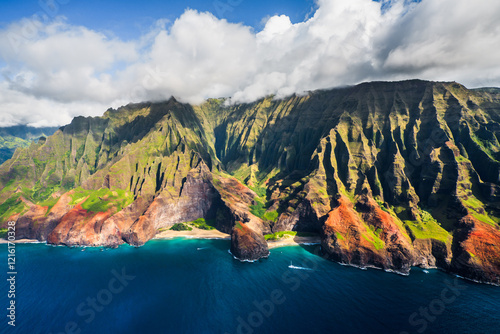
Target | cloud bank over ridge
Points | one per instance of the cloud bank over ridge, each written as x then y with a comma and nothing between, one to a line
52,71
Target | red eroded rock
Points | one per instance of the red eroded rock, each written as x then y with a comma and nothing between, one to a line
397,243
87,231
38,225
68,221
476,250
344,237
370,238
248,244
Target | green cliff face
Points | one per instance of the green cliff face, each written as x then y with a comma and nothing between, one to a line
391,174
19,136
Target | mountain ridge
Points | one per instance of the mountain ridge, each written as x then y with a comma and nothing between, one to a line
391,174
13,137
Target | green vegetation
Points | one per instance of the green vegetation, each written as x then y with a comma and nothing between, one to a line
12,142
282,234
271,215
258,209
41,193
79,152
373,236
331,145
203,224
181,227
483,217
477,210
11,206
428,228
8,146
238,226
260,191
377,243
399,210
50,202
427,216
101,200
382,205
3,232
242,173
376,231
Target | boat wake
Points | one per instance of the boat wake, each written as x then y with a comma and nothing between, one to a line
291,266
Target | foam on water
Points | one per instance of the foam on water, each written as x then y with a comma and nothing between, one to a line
175,288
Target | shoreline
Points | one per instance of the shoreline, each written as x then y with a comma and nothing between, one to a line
215,234
283,242
21,241
196,233
293,241
202,234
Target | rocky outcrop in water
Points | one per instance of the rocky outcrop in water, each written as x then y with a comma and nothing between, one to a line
390,174
247,244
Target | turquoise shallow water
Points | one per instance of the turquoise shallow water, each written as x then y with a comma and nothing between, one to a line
195,286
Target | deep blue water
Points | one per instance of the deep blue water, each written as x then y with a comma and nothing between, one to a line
195,286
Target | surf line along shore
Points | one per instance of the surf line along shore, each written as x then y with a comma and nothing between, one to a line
212,234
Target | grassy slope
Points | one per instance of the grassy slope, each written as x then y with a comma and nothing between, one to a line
287,151
19,136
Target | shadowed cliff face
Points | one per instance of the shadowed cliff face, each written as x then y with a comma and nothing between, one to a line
387,173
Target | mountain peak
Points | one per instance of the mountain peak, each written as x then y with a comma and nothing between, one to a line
390,174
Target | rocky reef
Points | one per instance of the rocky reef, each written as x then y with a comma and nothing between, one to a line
390,174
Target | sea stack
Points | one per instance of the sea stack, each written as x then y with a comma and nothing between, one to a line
247,244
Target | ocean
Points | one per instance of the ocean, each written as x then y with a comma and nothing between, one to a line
195,286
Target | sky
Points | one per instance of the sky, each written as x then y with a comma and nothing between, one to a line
65,58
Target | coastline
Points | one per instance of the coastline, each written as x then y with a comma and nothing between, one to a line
196,233
293,241
206,234
283,242
21,241
214,234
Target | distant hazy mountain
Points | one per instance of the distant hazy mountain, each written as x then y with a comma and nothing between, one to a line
19,136
390,174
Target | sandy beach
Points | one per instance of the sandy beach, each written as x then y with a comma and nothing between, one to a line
20,241
214,234
196,233
293,241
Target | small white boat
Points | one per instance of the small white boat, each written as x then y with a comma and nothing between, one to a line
425,271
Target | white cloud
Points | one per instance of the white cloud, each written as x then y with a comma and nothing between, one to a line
20,108
55,70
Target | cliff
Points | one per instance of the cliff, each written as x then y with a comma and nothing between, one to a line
391,174
247,244
12,137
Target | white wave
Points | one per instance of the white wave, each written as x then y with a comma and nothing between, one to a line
300,268
229,251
